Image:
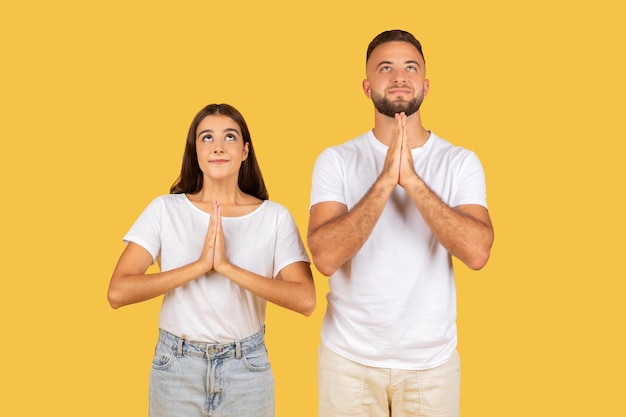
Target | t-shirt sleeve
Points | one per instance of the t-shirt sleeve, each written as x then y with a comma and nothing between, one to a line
472,188
289,245
146,231
327,180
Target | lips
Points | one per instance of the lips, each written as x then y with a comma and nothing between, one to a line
218,161
399,91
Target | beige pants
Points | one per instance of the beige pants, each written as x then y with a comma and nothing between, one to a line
347,388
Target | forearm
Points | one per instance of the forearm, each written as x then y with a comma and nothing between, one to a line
128,289
298,296
334,242
466,232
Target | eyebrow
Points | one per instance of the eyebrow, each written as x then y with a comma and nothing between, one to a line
411,61
229,129
383,63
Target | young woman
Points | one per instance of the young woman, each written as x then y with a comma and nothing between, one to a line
224,250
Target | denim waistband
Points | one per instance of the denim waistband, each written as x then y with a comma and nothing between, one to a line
207,350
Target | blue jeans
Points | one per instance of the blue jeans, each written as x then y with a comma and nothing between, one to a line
219,380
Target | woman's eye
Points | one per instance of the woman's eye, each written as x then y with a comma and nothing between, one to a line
207,138
230,138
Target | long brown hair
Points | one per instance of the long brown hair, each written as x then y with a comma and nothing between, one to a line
190,179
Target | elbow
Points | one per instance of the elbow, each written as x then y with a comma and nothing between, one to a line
478,259
309,302
324,269
477,263
308,307
322,257
114,299
479,255
324,265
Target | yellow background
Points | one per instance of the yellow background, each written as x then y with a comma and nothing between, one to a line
96,98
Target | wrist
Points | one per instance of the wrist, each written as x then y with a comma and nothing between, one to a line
225,268
201,267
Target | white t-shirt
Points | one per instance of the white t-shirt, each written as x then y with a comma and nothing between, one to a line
393,305
212,308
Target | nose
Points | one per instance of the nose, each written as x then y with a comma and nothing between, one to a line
399,80
398,77
217,147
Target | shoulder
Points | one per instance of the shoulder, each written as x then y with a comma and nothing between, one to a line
350,145
276,213
271,206
443,146
168,202
456,158
170,199
346,151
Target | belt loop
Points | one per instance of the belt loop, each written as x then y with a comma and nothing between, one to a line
179,348
238,349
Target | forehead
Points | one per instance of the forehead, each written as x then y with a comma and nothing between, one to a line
217,123
394,52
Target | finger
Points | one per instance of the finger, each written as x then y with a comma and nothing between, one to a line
215,223
220,247
400,124
396,134
218,218
395,128
209,243
405,134
212,225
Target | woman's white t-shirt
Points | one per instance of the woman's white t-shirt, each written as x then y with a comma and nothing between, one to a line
212,308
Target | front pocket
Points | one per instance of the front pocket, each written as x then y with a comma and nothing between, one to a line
257,359
162,360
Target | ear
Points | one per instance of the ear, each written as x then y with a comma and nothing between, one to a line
426,86
246,151
367,89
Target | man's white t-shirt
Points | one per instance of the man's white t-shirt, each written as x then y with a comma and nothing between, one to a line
393,305
212,308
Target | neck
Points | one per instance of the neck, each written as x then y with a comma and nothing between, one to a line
383,126
225,193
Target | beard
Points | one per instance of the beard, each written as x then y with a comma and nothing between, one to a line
389,108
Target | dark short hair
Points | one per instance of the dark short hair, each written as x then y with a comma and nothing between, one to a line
191,178
395,35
